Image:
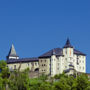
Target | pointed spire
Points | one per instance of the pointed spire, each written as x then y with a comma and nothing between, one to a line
68,44
12,53
68,41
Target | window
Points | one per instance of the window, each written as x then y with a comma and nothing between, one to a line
79,67
80,61
70,58
57,68
83,61
32,64
83,68
43,70
58,58
73,60
36,64
66,59
79,56
15,67
77,61
28,64
65,51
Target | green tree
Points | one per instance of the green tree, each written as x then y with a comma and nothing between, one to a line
45,86
82,82
71,81
4,69
88,87
4,75
43,77
1,84
61,84
19,81
35,83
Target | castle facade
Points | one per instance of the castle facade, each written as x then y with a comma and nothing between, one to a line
55,61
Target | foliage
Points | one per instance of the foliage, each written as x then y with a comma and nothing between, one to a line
4,74
45,86
4,70
17,80
60,75
82,82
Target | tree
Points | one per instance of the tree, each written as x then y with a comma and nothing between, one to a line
19,81
82,82
60,76
35,83
4,75
61,84
71,81
45,86
2,87
43,77
88,87
4,69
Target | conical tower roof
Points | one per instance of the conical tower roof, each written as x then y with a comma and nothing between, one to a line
68,44
12,51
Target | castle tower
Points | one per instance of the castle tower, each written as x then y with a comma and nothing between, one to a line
53,63
68,52
12,53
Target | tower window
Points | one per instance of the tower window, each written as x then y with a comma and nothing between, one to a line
65,51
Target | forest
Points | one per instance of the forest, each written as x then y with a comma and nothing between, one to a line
17,80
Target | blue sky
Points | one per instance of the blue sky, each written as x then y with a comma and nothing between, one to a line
36,26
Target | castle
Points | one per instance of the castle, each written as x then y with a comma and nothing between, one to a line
55,61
